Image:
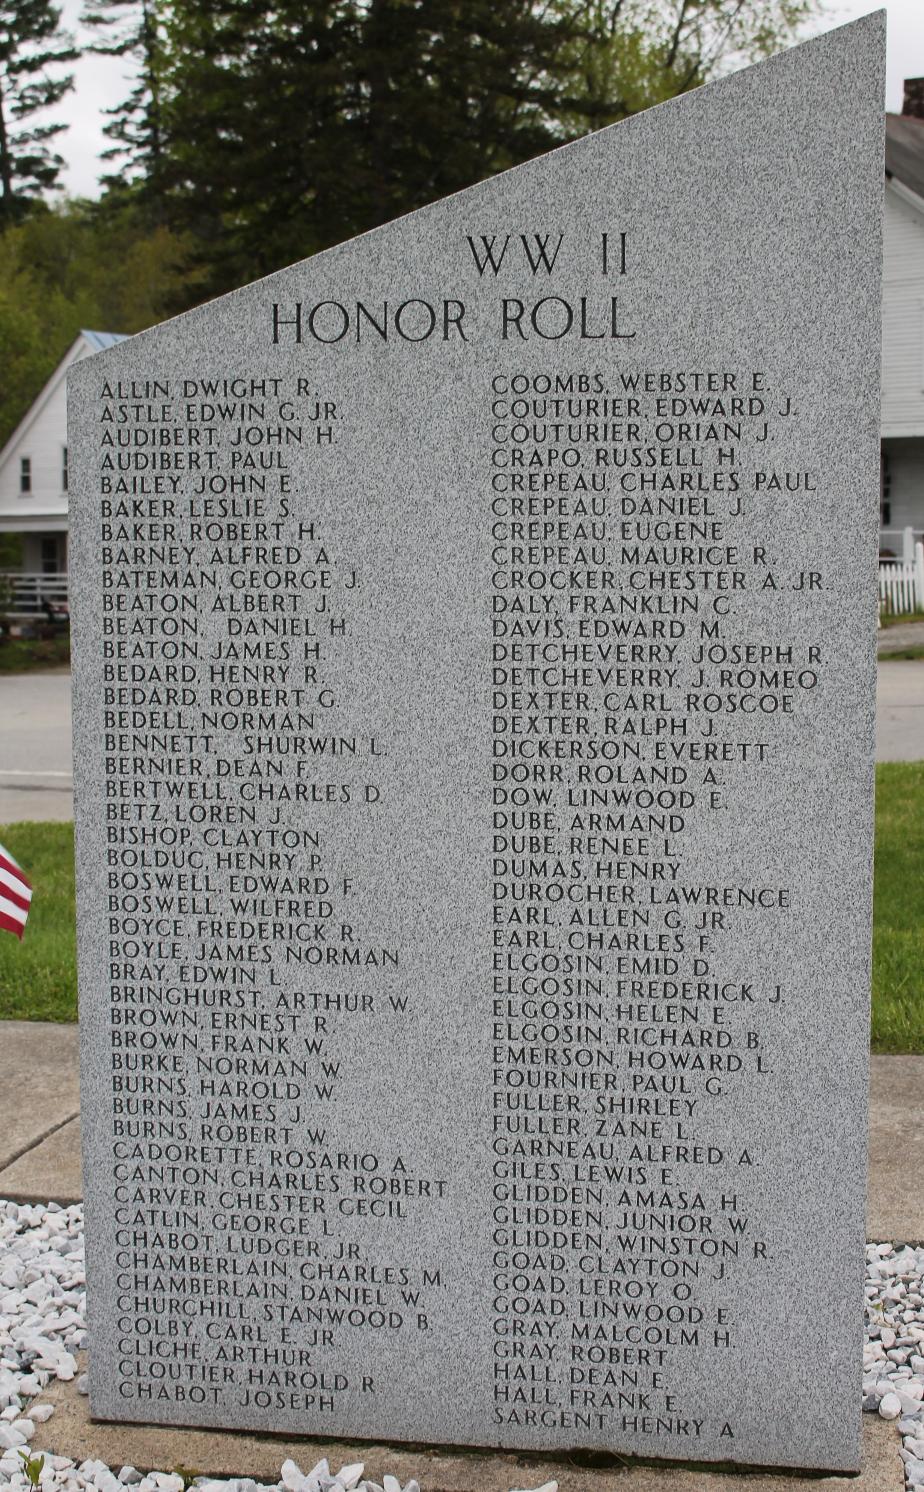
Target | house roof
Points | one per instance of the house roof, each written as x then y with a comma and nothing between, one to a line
904,151
99,341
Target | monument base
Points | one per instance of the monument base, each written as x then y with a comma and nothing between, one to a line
226,1453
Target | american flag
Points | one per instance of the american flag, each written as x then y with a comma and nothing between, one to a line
15,895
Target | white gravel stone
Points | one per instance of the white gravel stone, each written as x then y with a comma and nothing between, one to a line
43,1325
895,1325
292,1476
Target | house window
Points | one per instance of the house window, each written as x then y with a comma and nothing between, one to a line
25,475
50,556
64,468
885,492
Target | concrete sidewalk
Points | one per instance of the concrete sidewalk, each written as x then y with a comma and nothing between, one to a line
39,1111
40,1149
900,711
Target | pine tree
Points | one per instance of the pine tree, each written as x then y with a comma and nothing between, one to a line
452,92
261,152
296,124
133,29
270,129
32,48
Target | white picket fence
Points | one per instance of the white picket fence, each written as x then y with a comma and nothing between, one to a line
901,584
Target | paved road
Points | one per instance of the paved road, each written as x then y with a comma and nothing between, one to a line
35,746
35,736
900,712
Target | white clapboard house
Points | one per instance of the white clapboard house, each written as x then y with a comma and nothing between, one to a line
33,486
33,464
903,325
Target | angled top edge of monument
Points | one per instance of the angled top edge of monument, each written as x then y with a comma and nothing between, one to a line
867,32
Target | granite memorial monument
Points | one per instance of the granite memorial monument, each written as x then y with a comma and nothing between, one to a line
473,711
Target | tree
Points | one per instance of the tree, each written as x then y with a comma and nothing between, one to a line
32,48
260,148
73,267
134,29
630,54
452,91
296,124
284,126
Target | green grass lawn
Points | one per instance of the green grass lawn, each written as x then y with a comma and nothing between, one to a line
900,618
38,982
38,977
898,910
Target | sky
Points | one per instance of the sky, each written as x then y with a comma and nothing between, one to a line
101,82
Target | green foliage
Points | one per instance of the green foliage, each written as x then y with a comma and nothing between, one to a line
133,29
28,654
32,1466
10,556
899,619
82,265
292,126
627,55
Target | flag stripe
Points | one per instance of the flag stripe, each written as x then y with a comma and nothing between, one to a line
12,910
18,890
22,902
15,896
8,864
8,925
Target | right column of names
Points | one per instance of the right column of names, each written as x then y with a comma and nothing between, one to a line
639,682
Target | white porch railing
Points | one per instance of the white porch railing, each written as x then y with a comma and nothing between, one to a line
900,541
25,595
